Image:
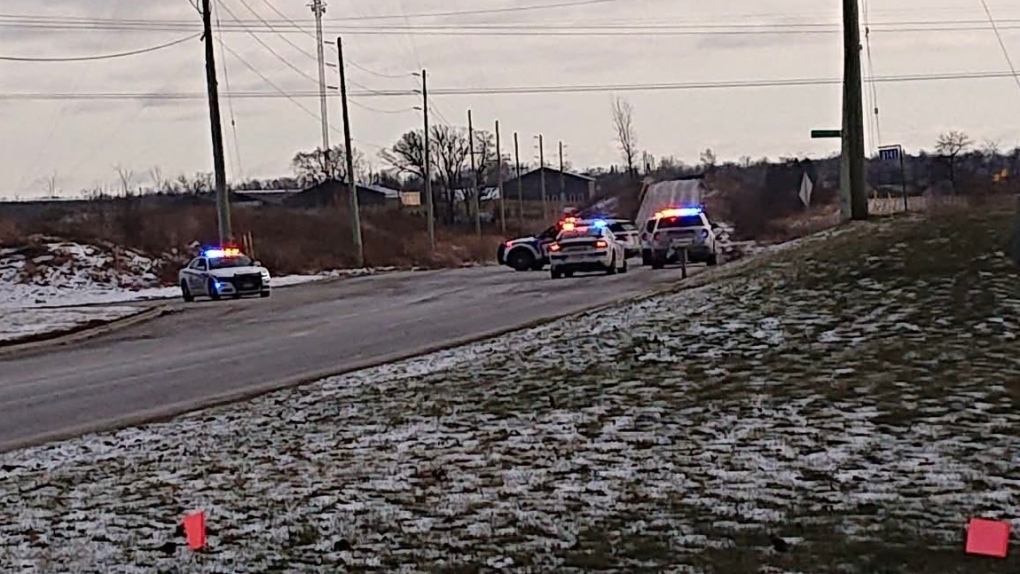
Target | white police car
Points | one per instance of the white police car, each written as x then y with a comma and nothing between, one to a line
218,273
586,248
671,232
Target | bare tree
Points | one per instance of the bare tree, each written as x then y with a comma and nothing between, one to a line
486,164
51,182
626,137
452,153
159,182
126,177
317,166
949,147
407,156
708,159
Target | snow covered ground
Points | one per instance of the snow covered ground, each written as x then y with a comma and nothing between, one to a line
20,323
861,404
51,286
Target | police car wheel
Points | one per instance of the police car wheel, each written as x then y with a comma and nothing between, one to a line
213,293
624,268
712,259
186,293
554,274
611,270
264,294
520,260
646,258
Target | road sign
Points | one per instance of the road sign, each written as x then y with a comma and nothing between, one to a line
818,134
889,152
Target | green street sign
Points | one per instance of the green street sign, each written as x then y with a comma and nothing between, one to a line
818,134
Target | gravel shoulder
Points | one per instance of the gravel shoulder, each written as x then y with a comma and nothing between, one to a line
856,396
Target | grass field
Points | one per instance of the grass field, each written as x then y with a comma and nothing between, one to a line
856,396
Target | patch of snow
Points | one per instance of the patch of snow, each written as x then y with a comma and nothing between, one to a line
19,323
631,440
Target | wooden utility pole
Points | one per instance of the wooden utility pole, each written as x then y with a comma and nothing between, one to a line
855,170
427,157
563,180
352,180
474,176
520,184
541,165
1016,233
499,183
219,164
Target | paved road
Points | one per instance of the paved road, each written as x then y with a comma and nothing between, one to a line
208,350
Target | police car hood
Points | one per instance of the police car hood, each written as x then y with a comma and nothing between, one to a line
231,271
519,240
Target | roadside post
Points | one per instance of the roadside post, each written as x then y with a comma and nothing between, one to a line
892,153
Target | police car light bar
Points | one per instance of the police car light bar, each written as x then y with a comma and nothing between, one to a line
221,253
599,223
680,212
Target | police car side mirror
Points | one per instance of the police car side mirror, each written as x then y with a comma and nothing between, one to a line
258,264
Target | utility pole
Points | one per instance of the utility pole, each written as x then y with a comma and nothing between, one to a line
352,181
563,181
541,165
319,8
474,176
520,184
427,155
499,183
853,113
219,164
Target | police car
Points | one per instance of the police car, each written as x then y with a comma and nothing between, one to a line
527,253
532,252
586,248
218,273
671,232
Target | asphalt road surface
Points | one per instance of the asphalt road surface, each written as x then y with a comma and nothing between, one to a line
207,352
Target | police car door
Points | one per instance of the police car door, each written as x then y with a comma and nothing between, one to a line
546,239
196,273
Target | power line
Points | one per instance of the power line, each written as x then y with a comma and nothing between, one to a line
226,81
1002,44
105,56
513,9
271,50
522,29
506,91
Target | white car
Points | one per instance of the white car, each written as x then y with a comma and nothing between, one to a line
585,249
671,232
218,273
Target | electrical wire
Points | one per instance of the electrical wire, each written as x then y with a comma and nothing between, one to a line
272,51
230,100
505,91
520,29
876,131
1002,44
105,56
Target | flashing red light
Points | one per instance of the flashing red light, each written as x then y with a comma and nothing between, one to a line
554,247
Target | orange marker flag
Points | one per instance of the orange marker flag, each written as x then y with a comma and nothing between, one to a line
987,537
194,529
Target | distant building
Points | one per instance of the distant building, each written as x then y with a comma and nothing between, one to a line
577,188
333,193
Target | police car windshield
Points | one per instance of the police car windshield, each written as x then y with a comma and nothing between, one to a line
682,221
581,232
228,262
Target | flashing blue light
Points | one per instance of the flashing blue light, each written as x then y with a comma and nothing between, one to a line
221,253
599,223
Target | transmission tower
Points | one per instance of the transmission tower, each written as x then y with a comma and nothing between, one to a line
318,9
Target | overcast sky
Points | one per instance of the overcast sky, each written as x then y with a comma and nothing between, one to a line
81,141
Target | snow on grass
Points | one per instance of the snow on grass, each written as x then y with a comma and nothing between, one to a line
53,273
18,324
860,402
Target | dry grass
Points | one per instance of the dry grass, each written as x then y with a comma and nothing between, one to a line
288,241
